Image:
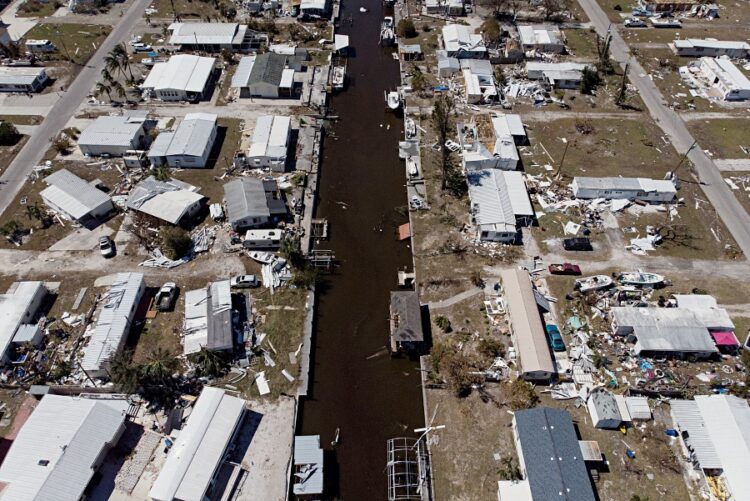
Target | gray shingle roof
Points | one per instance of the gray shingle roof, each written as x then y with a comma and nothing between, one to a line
268,68
406,317
554,463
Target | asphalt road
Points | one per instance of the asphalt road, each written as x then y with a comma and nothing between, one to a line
40,141
715,188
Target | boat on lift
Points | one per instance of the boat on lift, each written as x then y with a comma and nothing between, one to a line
393,100
411,167
594,283
410,127
640,278
387,31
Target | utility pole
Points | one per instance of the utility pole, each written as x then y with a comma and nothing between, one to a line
559,167
682,159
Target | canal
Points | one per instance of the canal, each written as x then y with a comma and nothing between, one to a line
355,385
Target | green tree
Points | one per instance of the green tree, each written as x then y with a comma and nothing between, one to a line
159,367
522,395
441,116
491,31
490,348
8,134
509,469
418,81
118,89
120,53
291,250
443,323
62,145
406,29
590,80
175,242
208,362
124,373
460,371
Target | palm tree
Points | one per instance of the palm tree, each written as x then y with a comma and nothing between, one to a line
112,62
123,372
103,88
118,89
208,362
106,75
159,367
121,53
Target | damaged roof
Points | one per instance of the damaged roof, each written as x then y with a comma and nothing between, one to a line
406,317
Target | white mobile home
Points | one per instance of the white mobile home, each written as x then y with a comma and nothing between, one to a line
189,146
726,81
113,325
558,75
695,47
460,43
269,75
19,308
75,199
624,188
270,143
114,135
22,79
172,201
208,318
183,78
542,38
214,37
253,203
60,447
200,449
499,203
526,326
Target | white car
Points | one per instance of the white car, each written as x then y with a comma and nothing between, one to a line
142,47
244,282
634,22
106,247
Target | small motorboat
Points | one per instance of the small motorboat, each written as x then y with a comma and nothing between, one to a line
597,282
410,128
387,31
411,167
393,100
262,257
640,278
338,77
362,9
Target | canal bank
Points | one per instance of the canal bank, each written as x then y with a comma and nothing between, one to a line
354,384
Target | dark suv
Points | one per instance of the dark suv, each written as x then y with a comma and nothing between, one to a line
577,244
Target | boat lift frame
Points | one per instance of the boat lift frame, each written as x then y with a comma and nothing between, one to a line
408,470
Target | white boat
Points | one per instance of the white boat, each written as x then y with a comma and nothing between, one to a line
640,278
411,167
387,31
338,76
410,128
262,257
393,100
594,283
362,9
665,22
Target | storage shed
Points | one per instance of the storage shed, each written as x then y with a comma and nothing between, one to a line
638,408
607,410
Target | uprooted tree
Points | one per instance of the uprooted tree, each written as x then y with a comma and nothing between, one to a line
442,112
522,395
175,242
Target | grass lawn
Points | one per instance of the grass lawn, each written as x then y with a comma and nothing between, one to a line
75,42
742,181
188,9
36,8
226,82
581,43
722,137
615,15
628,148
18,210
8,153
22,119
227,143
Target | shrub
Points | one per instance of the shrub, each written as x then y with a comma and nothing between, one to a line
522,395
406,29
175,242
8,134
489,347
444,324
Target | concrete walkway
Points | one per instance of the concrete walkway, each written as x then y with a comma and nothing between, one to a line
462,296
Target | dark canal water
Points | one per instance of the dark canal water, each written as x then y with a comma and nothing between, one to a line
355,385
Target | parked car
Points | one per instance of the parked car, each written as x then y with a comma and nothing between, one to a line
166,296
106,247
564,269
577,244
244,281
554,338
634,22
142,47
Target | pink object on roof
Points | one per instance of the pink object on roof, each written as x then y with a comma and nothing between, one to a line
725,338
